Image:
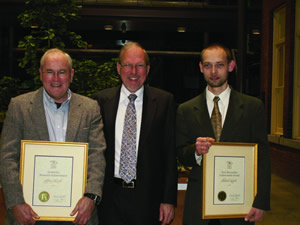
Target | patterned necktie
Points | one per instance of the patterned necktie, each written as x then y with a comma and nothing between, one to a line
216,119
128,147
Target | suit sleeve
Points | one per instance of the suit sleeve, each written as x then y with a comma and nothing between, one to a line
170,173
262,199
184,144
10,156
97,146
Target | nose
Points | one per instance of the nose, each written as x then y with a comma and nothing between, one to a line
214,70
134,69
55,76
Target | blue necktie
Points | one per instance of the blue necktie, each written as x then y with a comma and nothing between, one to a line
128,147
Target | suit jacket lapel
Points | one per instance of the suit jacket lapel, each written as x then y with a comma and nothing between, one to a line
37,112
233,116
109,109
149,109
74,117
203,126
201,111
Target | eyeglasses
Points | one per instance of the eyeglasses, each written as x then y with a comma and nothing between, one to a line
129,67
60,73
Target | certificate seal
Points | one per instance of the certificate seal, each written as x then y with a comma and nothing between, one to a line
222,196
44,196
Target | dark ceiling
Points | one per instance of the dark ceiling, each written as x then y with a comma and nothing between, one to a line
154,23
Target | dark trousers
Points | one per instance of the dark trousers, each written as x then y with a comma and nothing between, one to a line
53,223
214,222
229,222
122,207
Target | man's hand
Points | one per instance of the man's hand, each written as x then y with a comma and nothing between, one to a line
84,209
24,214
255,215
167,213
203,144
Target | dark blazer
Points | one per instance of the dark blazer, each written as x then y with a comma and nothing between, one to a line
244,122
26,120
156,162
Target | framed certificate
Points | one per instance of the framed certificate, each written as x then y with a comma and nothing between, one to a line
229,180
53,176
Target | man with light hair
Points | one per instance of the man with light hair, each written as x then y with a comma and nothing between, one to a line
52,113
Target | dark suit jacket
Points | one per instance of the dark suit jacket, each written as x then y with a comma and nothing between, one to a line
26,120
156,162
244,122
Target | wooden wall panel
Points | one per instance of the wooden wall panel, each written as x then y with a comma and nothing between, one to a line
285,162
2,208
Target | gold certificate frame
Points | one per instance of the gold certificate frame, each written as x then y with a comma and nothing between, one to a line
53,176
229,180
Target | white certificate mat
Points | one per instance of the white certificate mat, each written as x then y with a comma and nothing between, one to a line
53,176
229,180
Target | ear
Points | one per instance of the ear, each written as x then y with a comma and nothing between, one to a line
231,66
148,69
41,75
72,75
201,67
119,68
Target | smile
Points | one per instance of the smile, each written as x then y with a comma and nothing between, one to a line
55,85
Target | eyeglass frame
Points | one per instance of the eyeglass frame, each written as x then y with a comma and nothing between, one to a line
128,66
60,73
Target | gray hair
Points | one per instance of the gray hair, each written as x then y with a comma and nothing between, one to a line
53,51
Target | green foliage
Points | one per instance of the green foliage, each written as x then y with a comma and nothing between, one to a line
50,19
47,22
8,88
90,77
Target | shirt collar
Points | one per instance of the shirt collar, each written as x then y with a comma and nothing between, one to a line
223,96
50,101
125,93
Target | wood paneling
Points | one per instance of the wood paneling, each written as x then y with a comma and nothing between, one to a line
285,162
266,60
2,208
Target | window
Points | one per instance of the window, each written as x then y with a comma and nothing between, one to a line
278,71
296,103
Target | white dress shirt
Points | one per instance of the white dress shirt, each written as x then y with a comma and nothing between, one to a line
222,103
223,107
123,102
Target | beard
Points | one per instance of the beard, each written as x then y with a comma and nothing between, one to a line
218,83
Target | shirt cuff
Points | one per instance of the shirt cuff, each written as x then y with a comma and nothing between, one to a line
198,159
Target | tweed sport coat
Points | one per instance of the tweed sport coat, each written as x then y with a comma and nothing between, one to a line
26,120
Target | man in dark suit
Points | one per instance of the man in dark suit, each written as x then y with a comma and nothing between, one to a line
52,113
242,118
150,195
